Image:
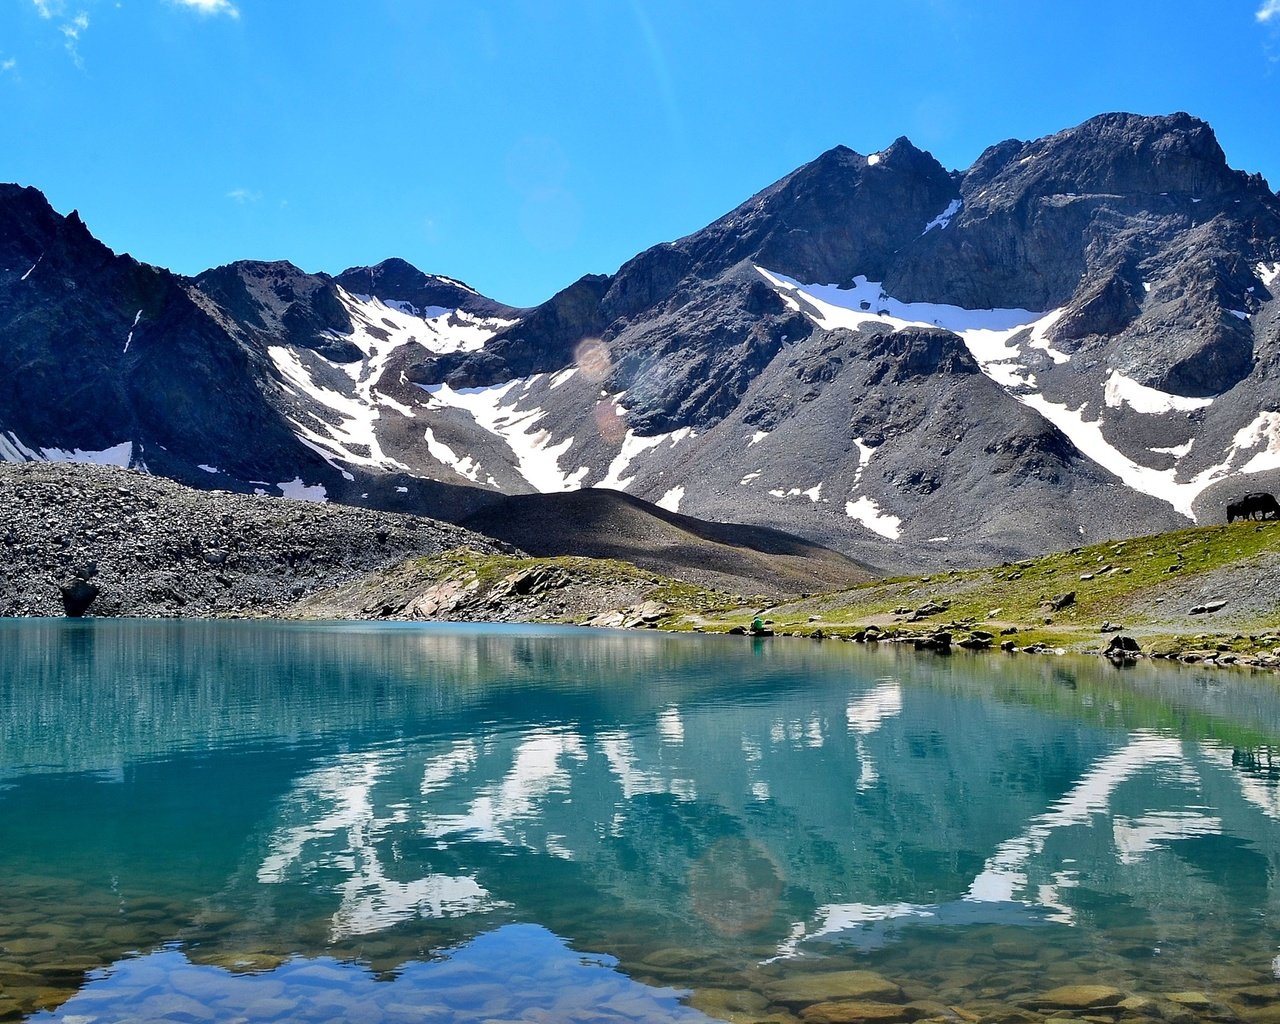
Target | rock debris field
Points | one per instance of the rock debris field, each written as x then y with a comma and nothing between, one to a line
155,548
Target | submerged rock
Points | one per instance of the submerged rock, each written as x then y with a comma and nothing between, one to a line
1076,997
808,989
854,1011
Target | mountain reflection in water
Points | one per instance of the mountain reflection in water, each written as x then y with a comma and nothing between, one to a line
699,808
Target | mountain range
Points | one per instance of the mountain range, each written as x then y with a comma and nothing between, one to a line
1076,338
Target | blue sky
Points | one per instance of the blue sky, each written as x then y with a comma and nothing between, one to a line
518,145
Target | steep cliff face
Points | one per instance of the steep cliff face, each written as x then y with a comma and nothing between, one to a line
106,358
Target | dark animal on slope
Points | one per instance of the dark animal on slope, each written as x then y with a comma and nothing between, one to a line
1258,505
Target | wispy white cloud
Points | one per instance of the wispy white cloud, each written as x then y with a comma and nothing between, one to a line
72,29
211,7
1269,10
8,64
244,195
74,26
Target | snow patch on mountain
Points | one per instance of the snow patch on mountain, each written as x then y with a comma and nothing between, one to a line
987,333
867,512
129,340
990,334
379,329
1263,431
12,449
437,329
866,302
671,500
465,466
814,493
296,490
409,307
944,218
1087,435
633,445
494,409
1039,337
865,451
354,440
1266,274
1121,390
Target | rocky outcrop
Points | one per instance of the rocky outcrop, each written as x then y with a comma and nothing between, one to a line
918,352
466,585
79,593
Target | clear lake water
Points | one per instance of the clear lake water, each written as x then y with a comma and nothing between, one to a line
254,822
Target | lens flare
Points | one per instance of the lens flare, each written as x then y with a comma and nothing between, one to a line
593,359
609,422
735,886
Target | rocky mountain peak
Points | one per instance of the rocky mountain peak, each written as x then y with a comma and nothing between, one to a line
904,155
1119,155
839,215
35,232
275,301
398,280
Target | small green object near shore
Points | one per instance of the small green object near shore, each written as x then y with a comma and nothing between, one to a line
758,628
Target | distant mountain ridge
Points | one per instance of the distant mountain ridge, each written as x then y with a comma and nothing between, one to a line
1077,337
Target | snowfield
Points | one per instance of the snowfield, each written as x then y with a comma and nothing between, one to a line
995,338
494,409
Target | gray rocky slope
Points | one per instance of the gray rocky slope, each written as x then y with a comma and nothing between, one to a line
155,548
1075,338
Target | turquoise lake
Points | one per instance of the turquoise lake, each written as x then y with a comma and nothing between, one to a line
209,822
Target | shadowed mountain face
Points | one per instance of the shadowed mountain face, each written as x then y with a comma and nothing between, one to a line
105,357
612,524
1075,338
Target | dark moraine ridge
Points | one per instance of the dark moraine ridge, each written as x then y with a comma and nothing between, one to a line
601,523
